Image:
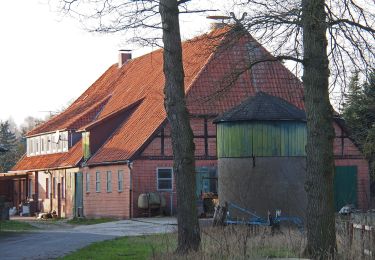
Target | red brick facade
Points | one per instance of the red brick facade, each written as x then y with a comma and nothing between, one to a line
98,200
158,154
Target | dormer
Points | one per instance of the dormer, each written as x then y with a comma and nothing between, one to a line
50,143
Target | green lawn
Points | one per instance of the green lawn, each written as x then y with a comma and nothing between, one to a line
88,221
12,225
135,248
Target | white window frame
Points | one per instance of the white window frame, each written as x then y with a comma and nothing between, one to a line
120,180
28,146
32,147
97,182
158,179
109,181
53,145
37,145
42,145
87,182
49,143
64,137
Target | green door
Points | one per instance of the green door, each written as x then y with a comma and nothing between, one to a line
345,184
78,195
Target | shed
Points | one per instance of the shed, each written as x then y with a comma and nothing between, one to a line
261,155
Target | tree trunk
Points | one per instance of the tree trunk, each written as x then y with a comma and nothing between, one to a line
321,238
182,135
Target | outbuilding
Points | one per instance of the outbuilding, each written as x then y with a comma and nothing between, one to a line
262,158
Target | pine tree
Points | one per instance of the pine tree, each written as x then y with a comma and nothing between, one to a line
9,141
359,114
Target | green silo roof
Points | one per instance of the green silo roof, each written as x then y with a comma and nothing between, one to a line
263,107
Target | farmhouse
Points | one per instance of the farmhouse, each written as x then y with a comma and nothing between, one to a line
114,144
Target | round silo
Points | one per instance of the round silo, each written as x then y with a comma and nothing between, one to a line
261,156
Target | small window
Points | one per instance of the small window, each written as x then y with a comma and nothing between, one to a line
65,141
47,188
109,181
37,145
28,146
120,178
42,144
62,187
87,182
54,187
164,179
53,145
97,182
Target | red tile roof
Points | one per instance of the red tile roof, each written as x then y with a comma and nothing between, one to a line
209,60
51,161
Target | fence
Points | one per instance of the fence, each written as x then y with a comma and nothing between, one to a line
356,233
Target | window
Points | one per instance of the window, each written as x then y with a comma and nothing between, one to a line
120,180
109,181
32,146
97,182
49,143
64,137
87,182
54,187
28,146
54,146
30,188
42,145
47,188
62,187
37,145
164,179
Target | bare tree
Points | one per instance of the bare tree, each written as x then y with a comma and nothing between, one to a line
160,17
326,38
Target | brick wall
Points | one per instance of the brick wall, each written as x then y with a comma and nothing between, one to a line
145,180
103,203
347,154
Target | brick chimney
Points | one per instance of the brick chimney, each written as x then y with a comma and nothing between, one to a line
123,57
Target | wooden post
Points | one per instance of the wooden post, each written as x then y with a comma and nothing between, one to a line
372,242
363,241
351,230
59,200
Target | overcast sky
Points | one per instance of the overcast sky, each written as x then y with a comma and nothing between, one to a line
46,61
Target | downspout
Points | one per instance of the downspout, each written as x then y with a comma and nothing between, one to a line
130,166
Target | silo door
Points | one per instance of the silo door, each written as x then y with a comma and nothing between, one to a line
345,186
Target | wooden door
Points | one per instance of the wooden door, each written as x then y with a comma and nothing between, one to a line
345,186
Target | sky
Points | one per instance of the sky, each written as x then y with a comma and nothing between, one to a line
47,61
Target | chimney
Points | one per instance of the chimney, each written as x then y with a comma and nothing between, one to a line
219,21
123,57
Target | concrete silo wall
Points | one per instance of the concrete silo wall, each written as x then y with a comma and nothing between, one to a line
273,183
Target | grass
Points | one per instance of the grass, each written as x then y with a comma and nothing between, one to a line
13,225
89,221
217,243
135,248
